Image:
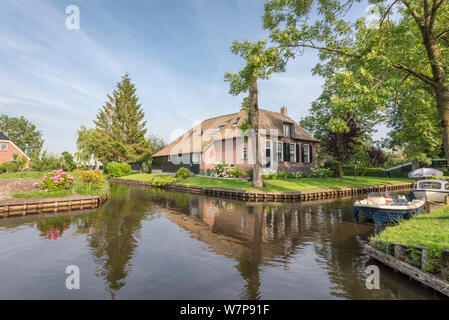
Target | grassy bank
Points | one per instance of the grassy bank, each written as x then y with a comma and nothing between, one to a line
80,187
279,185
427,230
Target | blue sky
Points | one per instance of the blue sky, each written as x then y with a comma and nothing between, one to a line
176,52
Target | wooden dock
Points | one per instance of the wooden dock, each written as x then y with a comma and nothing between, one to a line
21,207
264,196
413,271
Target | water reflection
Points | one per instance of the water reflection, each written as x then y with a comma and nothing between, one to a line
289,250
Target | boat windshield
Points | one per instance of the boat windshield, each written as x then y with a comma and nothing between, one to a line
430,185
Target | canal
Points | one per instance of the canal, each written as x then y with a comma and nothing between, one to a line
152,244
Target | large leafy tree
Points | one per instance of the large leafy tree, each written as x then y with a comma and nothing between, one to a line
397,54
261,62
87,145
120,125
23,133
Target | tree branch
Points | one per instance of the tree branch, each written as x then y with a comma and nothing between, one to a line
418,75
303,45
384,16
415,14
442,34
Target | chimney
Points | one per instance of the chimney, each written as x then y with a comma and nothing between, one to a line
284,111
6,133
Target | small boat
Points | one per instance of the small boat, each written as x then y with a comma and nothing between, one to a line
431,190
381,209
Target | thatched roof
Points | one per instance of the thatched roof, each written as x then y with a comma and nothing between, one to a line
201,136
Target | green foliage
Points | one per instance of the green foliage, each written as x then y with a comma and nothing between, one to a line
223,170
46,162
68,164
362,171
163,182
23,133
120,126
182,173
332,165
87,145
115,169
94,177
9,167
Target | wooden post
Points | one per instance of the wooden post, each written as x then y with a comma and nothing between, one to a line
446,200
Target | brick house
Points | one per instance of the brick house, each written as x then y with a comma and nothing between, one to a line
285,146
8,149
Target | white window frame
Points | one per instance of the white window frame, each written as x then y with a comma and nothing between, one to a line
268,145
306,149
292,152
236,122
280,150
245,153
5,145
287,133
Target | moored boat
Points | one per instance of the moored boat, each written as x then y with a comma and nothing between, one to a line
381,210
431,190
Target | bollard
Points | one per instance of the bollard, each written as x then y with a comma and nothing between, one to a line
446,200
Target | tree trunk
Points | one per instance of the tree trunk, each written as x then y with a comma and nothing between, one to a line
355,171
96,164
442,96
340,169
254,121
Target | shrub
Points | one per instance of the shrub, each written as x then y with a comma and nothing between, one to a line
281,175
9,167
320,173
115,169
46,162
59,180
370,172
269,174
237,172
300,174
221,170
332,165
163,182
182,173
94,177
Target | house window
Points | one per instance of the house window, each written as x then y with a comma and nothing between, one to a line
280,151
287,127
236,122
268,153
305,153
219,128
292,152
195,158
4,147
244,153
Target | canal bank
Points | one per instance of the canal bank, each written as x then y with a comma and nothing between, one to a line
418,248
271,196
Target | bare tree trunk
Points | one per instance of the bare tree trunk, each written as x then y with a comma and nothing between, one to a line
340,169
254,121
442,96
96,164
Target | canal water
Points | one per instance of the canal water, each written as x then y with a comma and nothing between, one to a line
152,244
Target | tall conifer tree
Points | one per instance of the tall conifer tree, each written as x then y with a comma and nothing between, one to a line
120,124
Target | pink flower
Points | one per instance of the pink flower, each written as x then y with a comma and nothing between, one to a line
36,184
46,190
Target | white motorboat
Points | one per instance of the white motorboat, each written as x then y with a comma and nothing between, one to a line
431,190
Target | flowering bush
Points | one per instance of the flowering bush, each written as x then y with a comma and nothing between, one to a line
300,174
92,176
60,180
115,169
221,170
320,173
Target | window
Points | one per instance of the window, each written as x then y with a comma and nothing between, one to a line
219,128
244,153
305,153
4,147
236,122
292,152
279,151
268,153
430,185
195,158
287,127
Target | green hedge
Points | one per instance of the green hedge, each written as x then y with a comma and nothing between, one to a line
115,169
369,172
9,167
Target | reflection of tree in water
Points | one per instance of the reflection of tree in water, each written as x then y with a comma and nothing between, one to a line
116,234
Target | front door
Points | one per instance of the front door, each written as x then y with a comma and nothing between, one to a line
268,162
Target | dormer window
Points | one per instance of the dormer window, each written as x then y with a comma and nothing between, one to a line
219,128
287,130
236,122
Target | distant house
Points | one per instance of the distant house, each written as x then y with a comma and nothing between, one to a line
8,149
284,145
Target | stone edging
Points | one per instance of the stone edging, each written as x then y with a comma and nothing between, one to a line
43,205
413,272
246,195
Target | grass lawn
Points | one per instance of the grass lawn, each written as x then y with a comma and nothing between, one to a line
79,188
143,176
428,230
278,185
